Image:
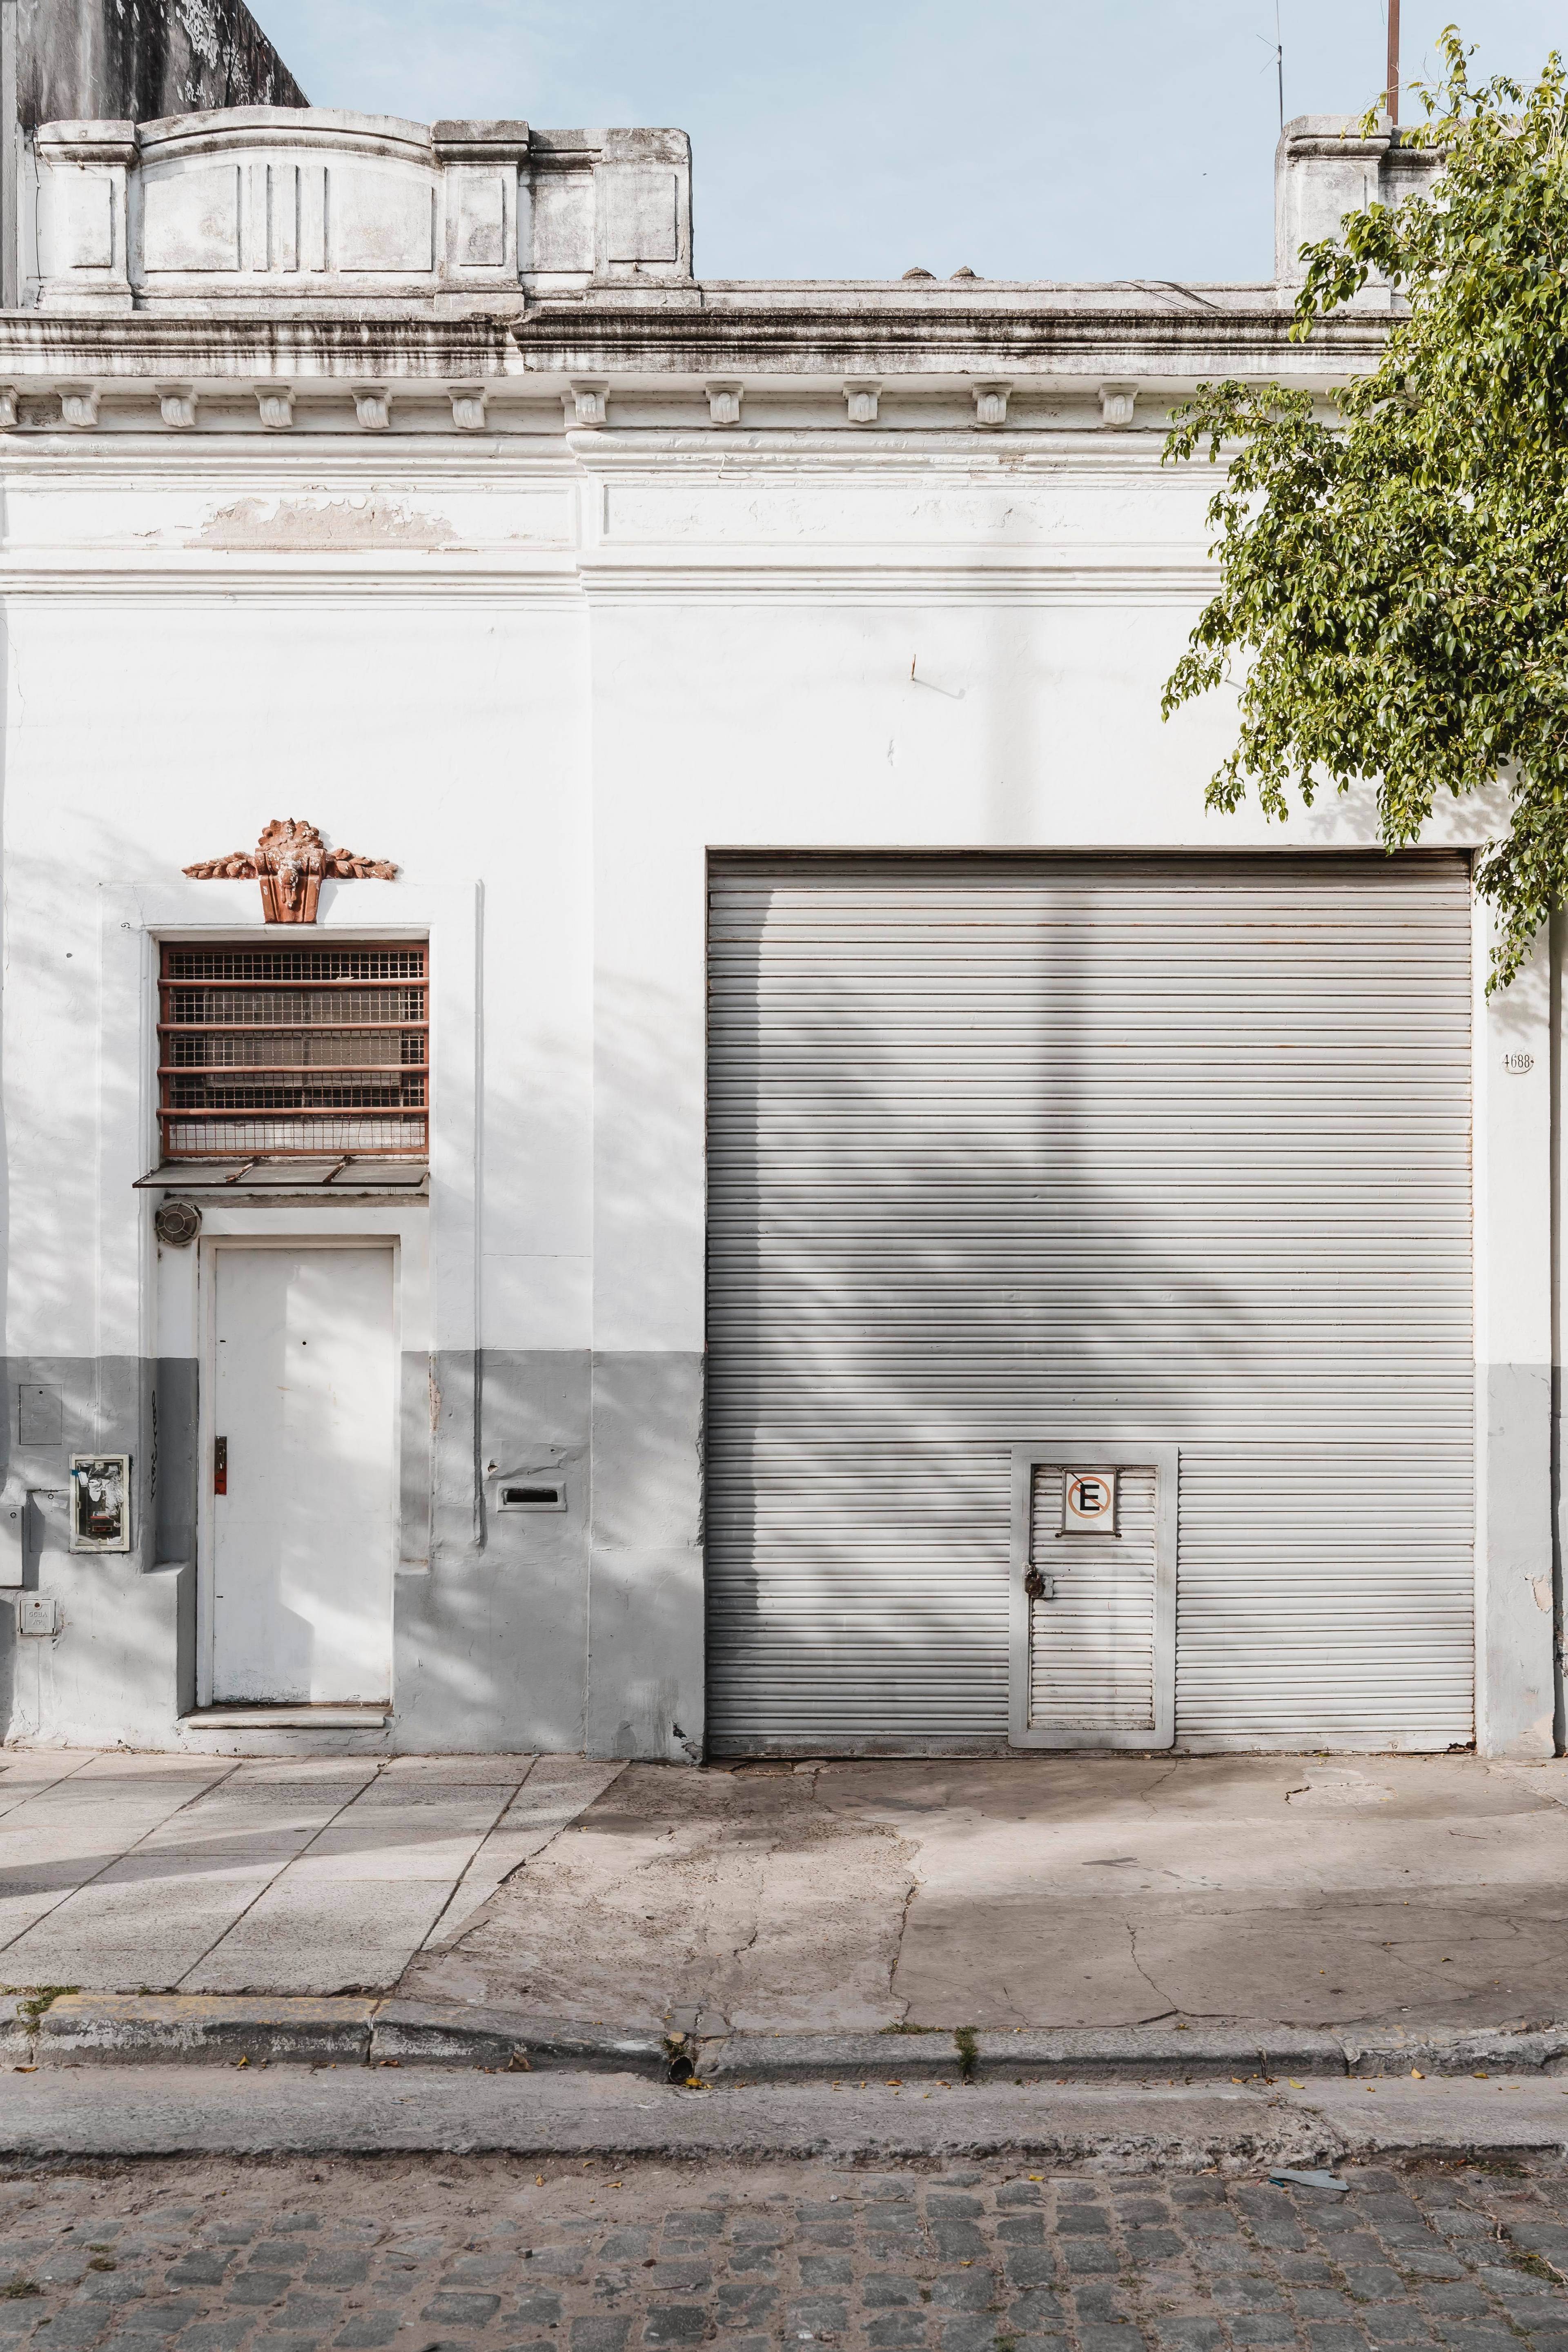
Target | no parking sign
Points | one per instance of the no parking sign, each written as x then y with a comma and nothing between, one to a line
1088,1502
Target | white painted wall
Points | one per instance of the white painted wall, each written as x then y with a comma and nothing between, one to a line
548,673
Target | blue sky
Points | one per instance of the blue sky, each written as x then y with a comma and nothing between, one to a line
854,138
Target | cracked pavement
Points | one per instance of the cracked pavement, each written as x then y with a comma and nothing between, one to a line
736,1895
1038,1891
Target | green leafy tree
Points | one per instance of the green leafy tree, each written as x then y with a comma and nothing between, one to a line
1394,578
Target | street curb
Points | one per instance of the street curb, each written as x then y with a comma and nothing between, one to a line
171,2029
431,2033
854,2058
256,2028
1196,2052
105,2112
164,2028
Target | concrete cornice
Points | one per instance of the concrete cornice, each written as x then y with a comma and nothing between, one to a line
215,347
758,334
773,340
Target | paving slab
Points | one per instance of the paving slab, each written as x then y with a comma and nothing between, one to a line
25,1772
113,1935
65,1834
351,1910
466,1772
148,1918
323,1933
301,1875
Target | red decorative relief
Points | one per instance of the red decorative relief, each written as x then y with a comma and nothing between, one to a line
290,861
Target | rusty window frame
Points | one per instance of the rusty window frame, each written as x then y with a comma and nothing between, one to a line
281,1108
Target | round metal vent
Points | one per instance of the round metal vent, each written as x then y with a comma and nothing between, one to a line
177,1223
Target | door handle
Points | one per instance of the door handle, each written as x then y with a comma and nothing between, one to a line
220,1466
1039,1587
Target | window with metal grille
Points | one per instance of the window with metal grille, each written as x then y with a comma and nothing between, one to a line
284,1052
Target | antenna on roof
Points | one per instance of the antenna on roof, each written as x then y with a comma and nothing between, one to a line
1279,47
1392,99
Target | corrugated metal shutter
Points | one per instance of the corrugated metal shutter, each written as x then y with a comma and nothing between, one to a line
1092,1637
1109,1149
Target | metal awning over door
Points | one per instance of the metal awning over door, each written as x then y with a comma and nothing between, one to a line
1114,1148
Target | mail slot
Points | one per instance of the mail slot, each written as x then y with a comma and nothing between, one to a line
531,1495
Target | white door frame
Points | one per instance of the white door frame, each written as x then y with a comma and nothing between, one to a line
145,1296
206,1426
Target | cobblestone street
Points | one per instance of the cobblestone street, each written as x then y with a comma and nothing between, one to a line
489,2254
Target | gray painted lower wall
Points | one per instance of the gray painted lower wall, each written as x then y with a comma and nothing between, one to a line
1518,1699
123,1665
567,1629
576,1628
491,1626
61,1405
173,1477
646,1659
513,1630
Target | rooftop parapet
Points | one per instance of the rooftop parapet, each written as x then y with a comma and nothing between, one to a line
248,205
262,207
1326,166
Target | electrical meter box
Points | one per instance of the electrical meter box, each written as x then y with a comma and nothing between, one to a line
100,1502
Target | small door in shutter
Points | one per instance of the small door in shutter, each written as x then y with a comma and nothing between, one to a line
1094,1597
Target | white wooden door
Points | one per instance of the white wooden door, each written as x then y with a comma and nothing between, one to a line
302,1539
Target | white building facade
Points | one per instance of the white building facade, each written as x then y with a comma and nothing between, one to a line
816,1202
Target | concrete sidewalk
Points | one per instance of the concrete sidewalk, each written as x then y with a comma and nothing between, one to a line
1041,1891
1385,1894
124,1873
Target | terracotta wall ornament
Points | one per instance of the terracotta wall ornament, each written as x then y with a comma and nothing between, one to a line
290,861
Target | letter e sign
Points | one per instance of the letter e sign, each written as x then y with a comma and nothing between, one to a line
1088,1501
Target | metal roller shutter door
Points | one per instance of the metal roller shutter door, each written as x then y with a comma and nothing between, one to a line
1172,1147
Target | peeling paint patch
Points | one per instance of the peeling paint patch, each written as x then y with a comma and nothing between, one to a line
1541,1588
287,525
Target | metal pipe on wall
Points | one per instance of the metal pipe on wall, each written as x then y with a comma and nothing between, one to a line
10,174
